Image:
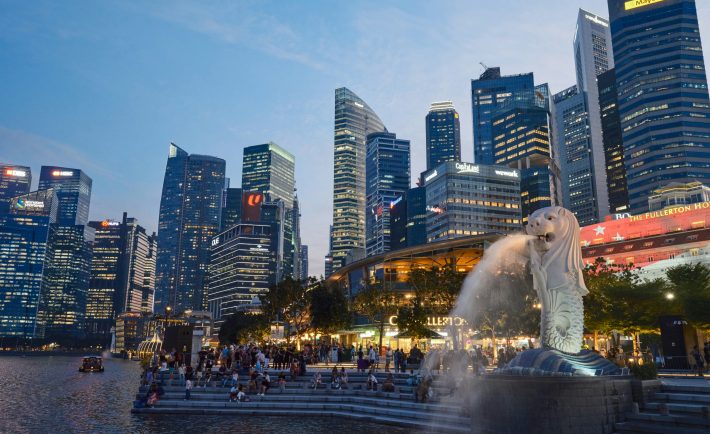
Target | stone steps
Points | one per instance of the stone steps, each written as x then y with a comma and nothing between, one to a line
410,423
676,407
699,398
652,423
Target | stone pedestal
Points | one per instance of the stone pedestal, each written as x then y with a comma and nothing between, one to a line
559,405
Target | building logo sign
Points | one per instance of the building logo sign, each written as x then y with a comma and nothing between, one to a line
215,241
395,202
437,321
435,209
107,223
431,176
63,173
29,205
511,173
622,215
670,211
16,172
467,168
633,4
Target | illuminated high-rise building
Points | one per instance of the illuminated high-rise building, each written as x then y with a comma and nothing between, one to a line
613,145
269,169
662,92
387,171
190,212
73,188
24,229
14,181
354,120
231,207
443,134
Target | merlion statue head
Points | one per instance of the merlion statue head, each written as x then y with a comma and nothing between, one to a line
558,243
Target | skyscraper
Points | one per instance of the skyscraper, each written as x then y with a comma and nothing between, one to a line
521,140
304,262
613,146
387,177
354,120
662,95
231,207
577,123
14,181
24,228
443,134
73,188
190,210
573,140
269,169
487,92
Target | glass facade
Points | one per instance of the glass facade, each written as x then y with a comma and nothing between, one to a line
190,211
231,207
662,95
14,181
443,134
269,169
24,229
487,92
242,266
73,188
416,216
521,137
387,171
398,223
68,271
574,149
354,120
613,145
466,199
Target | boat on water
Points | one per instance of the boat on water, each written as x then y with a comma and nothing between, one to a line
91,364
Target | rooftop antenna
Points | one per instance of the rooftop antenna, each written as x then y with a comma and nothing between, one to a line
483,65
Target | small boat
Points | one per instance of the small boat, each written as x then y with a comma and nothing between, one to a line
91,364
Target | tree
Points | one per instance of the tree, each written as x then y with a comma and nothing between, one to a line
437,287
412,319
328,309
288,301
377,303
689,285
242,327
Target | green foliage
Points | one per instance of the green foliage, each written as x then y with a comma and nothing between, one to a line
242,327
328,309
690,286
647,371
377,302
412,318
288,301
437,287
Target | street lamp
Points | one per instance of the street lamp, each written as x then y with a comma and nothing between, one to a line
670,296
168,309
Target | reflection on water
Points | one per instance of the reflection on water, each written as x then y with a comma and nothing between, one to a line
49,394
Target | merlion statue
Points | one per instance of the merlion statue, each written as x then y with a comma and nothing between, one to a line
556,266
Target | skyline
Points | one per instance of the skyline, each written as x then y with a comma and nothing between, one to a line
85,83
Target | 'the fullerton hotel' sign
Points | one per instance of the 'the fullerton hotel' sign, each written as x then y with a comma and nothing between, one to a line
669,211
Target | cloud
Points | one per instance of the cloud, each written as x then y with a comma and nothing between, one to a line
21,147
238,24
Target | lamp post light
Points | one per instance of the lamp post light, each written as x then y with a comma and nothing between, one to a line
670,296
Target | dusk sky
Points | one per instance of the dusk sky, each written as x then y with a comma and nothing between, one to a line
106,86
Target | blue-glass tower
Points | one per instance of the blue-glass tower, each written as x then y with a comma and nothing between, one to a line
487,93
73,189
443,134
387,170
14,181
190,210
662,93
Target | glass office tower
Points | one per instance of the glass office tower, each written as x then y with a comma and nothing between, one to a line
24,229
443,134
387,171
269,169
190,211
73,188
231,207
354,120
613,145
487,92
662,94
14,181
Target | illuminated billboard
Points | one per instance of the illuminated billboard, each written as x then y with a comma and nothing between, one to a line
251,206
633,4
62,173
16,172
671,219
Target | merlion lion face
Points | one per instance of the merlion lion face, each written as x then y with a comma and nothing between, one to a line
550,225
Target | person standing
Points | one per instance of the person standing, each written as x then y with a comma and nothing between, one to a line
699,364
188,388
388,359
